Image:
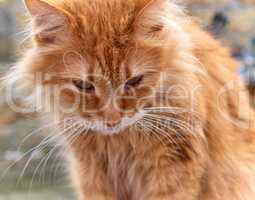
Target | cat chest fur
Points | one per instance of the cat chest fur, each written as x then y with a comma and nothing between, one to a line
125,166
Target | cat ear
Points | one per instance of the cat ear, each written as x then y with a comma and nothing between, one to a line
48,21
152,21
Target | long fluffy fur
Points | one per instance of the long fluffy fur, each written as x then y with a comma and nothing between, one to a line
214,161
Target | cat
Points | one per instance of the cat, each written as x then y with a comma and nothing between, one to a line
159,113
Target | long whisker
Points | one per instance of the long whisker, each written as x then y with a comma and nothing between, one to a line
172,110
58,144
83,130
165,108
35,132
159,130
174,121
166,127
42,144
139,125
38,166
189,127
157,135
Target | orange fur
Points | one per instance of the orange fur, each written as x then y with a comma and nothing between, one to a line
119,39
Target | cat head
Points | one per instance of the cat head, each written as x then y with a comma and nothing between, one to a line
104,60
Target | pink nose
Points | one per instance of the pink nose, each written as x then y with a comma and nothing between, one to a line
112,124
112,117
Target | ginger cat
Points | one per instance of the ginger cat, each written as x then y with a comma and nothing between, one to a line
158,112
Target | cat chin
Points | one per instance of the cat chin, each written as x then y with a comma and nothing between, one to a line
99,126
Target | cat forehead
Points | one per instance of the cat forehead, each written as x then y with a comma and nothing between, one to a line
104,29
112,64
103,24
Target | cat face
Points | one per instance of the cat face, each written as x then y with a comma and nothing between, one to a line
106,58
109,97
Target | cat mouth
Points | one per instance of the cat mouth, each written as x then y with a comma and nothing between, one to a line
100,127
125,123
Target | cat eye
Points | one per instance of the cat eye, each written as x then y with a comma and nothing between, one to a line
84,86
133,82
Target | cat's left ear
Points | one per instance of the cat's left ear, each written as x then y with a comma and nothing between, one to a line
153,19
48,21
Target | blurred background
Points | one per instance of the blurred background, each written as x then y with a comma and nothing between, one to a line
40,173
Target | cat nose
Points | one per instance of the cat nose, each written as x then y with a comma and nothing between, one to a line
112,117
112,124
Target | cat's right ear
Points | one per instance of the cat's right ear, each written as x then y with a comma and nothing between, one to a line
48,21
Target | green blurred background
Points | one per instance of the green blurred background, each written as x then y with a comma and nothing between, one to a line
41,173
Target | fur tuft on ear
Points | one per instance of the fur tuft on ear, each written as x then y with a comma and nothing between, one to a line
48,21
156,18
